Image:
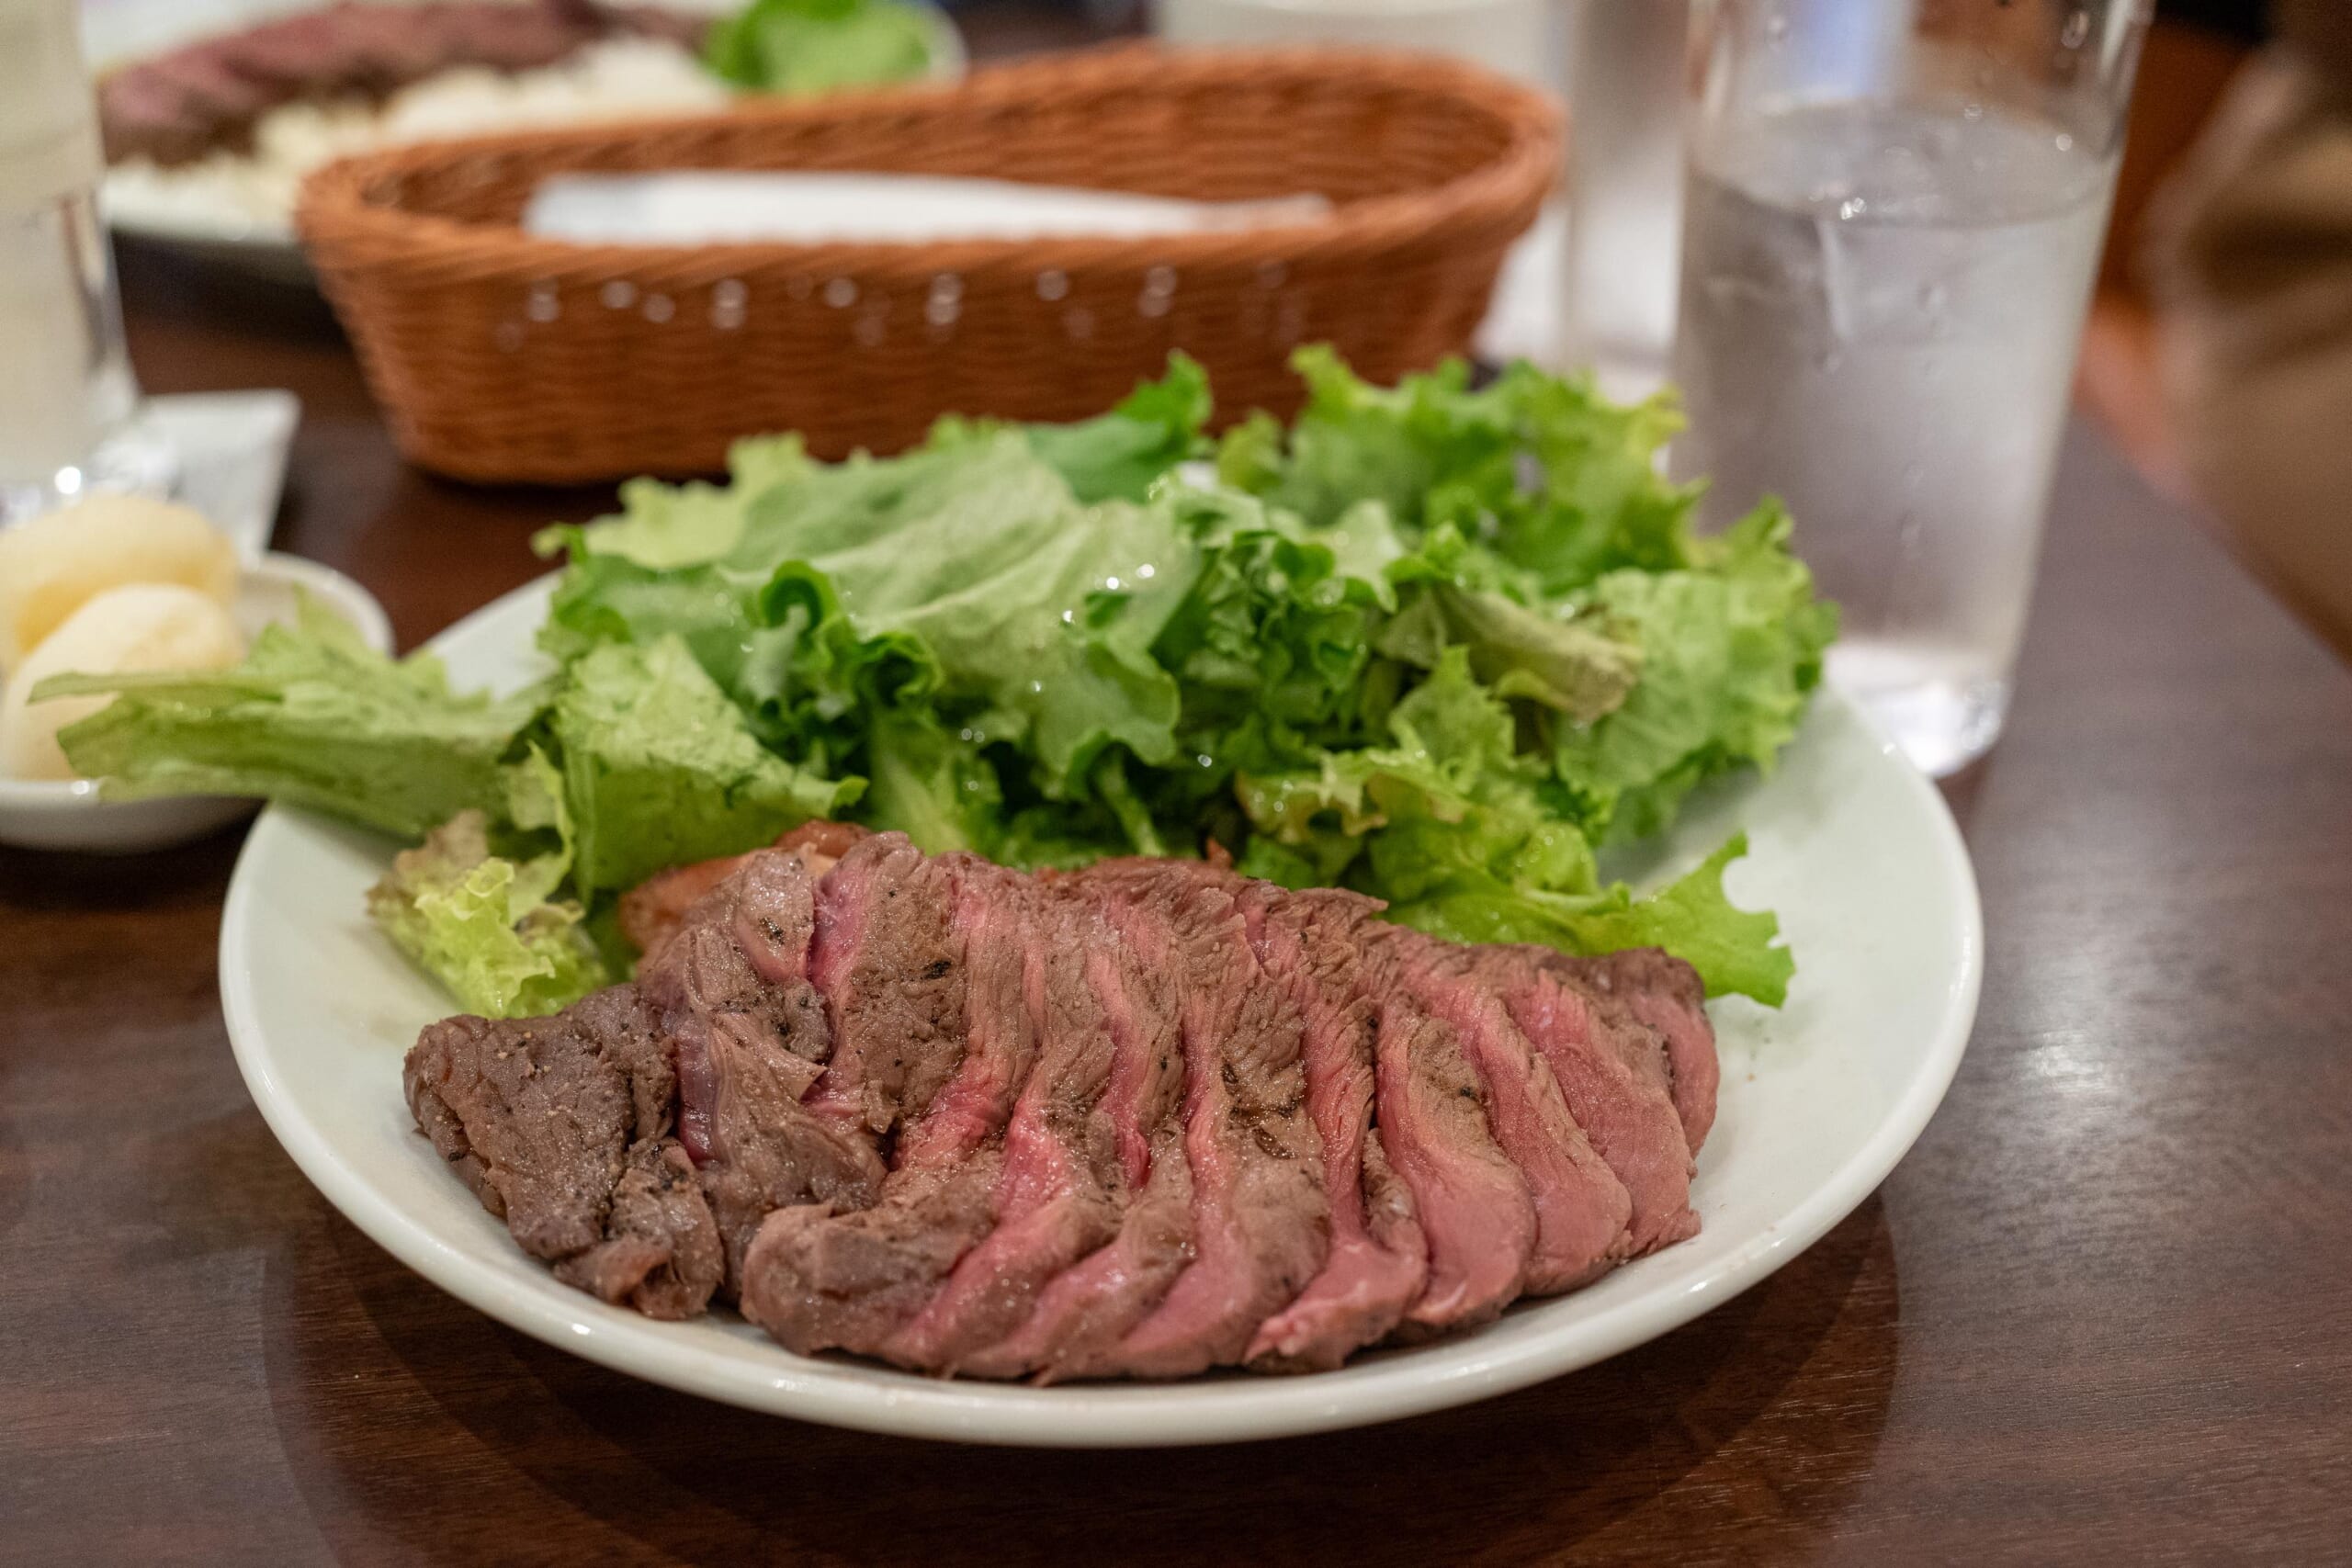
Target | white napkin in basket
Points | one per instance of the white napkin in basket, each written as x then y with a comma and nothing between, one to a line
708,206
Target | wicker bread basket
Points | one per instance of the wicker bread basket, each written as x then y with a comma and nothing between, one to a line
504,356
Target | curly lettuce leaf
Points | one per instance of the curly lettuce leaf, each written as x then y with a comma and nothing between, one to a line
1450,798
486,926
1731,648
1037,609
1123,453
1451,824
966,574
661,526
1550,482
660,768
1276,630
931,784
778,504
1565,661
311,717
1735,950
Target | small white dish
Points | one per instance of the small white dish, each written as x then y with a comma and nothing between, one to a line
43,814
1851,847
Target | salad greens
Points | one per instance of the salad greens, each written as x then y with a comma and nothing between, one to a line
659,769
799,46
489,928
312,716
1434,642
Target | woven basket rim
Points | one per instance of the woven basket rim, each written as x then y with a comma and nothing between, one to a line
341,209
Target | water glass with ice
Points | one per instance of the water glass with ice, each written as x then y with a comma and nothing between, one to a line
1893,215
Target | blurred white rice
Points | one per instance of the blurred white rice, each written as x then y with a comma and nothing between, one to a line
614,79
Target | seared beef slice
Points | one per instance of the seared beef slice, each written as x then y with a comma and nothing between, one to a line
817,1279
1613,1074
1473,1202
1058,1194
544,1119
1261,1226
1378,1261
650,913
883,959
1085,1309
1581,1207
748,1035
662,1256
1662,992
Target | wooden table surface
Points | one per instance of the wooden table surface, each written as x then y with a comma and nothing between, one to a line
2102,1312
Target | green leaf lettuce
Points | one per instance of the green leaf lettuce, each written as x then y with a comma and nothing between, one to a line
312,716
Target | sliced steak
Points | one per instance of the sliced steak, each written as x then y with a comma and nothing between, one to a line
1472,1202
1141,1120
1081,1312
749,1036
1581,1208
559,1125
650,913
534,1114
994,917
511,36
661,1253
1378,1262
817,1279
286,57
738,961
1613,1076
1664,993
1261,1226
1058,1196
208,95
883,959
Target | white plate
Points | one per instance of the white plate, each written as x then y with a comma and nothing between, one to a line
1851,846
39,814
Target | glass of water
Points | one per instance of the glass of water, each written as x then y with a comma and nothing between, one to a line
1892,217
1624,190
69,406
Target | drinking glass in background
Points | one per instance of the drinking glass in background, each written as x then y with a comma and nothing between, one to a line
1893,216
1624,190
69,406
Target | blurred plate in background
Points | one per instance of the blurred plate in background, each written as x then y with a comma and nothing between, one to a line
240,223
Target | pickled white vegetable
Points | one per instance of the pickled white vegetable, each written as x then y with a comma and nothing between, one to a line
138,627
52,565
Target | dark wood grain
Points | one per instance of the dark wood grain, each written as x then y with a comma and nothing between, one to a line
2102,1313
